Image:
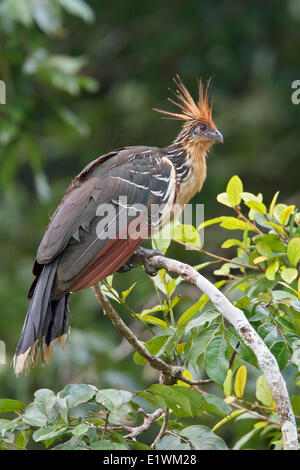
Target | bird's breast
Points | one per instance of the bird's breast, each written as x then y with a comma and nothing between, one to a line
194,179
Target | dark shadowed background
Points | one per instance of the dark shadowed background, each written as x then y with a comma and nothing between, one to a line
81,80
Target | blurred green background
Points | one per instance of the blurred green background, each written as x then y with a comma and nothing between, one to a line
82,79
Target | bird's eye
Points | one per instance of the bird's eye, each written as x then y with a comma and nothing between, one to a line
199,129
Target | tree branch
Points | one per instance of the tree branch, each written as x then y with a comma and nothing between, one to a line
172,372
148,420
236,317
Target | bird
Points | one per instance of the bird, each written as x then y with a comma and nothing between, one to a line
74,254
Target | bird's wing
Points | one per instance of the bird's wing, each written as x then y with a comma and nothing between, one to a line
91,227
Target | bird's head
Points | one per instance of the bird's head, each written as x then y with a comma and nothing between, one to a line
198,127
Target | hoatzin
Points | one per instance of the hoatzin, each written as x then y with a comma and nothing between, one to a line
72,256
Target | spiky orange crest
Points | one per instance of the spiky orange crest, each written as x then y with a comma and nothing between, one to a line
191,110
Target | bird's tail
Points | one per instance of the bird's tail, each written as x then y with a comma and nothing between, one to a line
46,321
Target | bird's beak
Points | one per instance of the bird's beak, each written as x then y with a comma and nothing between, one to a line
215,136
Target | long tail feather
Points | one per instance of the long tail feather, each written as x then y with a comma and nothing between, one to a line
46,321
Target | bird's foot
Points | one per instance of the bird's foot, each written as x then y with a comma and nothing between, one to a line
142,255
127,267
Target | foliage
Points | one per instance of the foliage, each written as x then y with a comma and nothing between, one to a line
263,278
49,132
44,75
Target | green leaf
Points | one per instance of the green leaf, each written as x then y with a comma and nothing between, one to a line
246,438
272,270
272,205
249,197
156,401
77,394
170,345
138,445
108,445
152,320
216,220
257,206
293,251
22,439
234,189
191,311
34,416
19,11
202,438
7,425
126,293
153,345
227,418
48,432
231,223
200,340
80,429
240,381
281,353
187,234
263,248
227,385
296,353
231,242
79,8
47,15
268,332
289,275
278,209
174,398
157,308
223,270
243,351
295,402
7,406
243,302
196,400
216,405
216,362
45,400
113,399
172,443
161,240
205,317
285,214
276,227
272,241
223,198
263,393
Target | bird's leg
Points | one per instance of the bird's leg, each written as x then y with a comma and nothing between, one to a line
127,267
141,256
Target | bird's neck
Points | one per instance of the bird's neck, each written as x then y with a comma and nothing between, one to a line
189,161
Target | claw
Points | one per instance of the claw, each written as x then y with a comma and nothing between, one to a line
141,256
127,267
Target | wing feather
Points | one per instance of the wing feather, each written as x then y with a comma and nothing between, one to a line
138,175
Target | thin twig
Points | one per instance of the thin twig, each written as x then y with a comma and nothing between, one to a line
167,369
148,420
162,429
220,258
